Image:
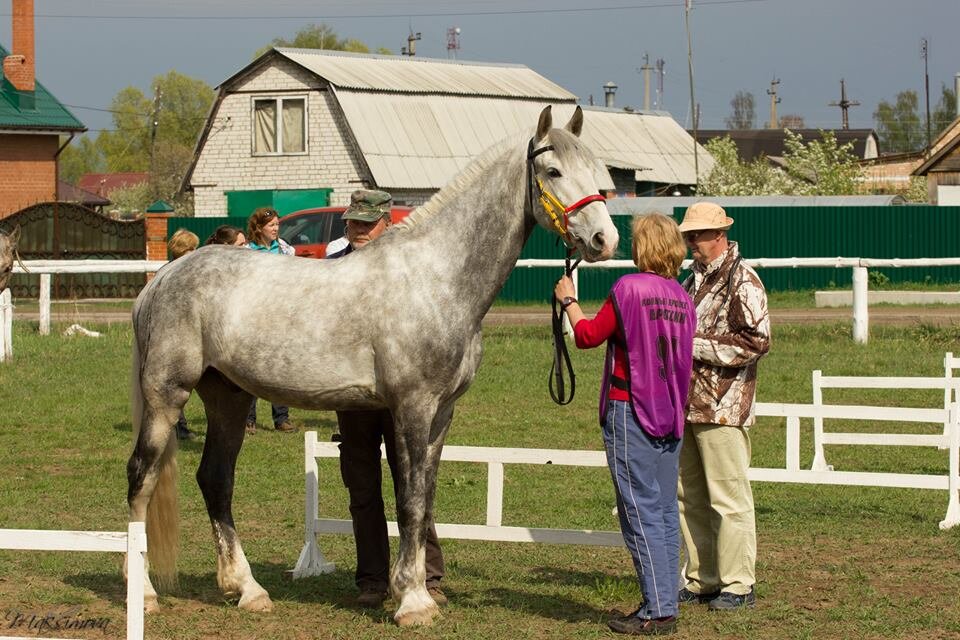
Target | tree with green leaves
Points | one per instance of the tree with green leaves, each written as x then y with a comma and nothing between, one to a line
744,115
178,107
819,167
899,125
946,110
319,36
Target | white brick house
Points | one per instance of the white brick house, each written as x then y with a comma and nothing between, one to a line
304,128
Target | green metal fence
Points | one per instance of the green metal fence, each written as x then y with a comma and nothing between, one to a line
785,232
203,227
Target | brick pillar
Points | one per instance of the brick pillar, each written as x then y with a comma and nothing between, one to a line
156,237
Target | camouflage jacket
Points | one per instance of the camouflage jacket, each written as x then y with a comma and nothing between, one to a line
733,332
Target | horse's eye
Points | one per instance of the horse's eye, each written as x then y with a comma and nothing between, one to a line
553,172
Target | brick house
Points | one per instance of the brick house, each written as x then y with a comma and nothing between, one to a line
300,128
32,121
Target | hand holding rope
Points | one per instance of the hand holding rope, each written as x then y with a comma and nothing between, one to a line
561,357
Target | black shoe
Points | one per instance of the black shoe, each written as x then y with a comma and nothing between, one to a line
685,596
372,597
634,626
184,434
727,601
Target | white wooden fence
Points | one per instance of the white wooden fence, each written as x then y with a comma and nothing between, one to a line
859,266
312,562
132,542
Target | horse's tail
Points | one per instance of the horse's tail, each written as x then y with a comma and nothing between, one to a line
163,518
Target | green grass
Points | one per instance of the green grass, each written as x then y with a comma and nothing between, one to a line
834,562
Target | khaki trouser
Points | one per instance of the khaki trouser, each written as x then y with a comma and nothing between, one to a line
716,509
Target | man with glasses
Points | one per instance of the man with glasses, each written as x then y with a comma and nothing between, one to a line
361,432
733,332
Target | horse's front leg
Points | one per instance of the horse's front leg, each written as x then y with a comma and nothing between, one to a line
419,440
226,408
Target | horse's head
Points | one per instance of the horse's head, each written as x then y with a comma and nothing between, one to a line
564,192
8,250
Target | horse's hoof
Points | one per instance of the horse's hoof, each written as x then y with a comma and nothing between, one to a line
260,603
421,617
150,604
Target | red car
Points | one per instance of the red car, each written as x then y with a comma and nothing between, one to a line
309,231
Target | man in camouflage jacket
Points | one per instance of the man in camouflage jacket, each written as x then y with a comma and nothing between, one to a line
733,332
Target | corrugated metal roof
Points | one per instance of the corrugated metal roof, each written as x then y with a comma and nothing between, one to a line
422,141
46,112
639,206
408,74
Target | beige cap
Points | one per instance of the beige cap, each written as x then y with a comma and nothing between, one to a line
705,215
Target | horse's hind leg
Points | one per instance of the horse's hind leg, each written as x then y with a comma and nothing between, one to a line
226,407
419,440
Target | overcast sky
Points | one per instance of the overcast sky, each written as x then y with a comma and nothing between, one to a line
87,50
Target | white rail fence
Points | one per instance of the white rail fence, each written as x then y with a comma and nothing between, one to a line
132,542
312,562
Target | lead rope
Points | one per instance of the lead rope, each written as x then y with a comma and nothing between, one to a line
561,357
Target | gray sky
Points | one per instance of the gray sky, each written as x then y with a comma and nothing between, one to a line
580,44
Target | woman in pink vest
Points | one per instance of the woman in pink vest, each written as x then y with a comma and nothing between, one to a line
647,322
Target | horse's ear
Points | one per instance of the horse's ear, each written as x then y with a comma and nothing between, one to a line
15,235
546,122
575,126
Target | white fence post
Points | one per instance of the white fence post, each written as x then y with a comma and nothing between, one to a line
819,459
494,494
45,304
311,561
953,504
136,563
861,321
6,326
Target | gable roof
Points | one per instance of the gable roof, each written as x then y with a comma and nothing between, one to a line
754,143
408,74
45,114
945,143
69,193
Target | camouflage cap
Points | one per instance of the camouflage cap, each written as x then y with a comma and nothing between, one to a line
368,206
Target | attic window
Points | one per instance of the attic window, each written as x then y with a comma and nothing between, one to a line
279,126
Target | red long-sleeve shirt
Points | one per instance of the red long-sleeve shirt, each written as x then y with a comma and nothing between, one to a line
592,333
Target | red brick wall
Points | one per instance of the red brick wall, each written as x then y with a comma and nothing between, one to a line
28,171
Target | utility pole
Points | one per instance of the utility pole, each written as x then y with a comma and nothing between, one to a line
659,67
154,123
688,4
924,50
411,48
844,104
774,101
646,68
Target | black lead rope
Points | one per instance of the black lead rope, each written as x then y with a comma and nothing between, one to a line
561,357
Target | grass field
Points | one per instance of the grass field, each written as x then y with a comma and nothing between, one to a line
834,562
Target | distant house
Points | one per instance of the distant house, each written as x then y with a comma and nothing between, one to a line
300,128
942,167
771,143
103,184
67,192
32,121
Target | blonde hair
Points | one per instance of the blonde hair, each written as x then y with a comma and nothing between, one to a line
182,242
658,245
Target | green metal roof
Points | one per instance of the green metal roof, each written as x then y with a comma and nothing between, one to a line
19,110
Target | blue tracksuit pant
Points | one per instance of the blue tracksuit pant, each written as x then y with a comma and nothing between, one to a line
644,472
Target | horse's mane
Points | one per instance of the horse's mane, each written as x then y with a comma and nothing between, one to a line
563,143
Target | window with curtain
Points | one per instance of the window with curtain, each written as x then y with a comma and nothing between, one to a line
279,125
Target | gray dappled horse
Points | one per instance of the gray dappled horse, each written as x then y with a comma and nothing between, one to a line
8,254
395,325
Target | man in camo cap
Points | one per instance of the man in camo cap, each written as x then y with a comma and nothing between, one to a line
367,217
361,432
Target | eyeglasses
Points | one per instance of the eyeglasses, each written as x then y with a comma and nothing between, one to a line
691,236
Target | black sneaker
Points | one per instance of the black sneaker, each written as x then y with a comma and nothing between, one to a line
634,626
727,601
685,596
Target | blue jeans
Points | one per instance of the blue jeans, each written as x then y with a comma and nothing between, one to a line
644,472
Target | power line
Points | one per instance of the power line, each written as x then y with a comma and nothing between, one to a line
658,5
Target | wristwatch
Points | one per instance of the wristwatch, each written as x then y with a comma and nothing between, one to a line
567,301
